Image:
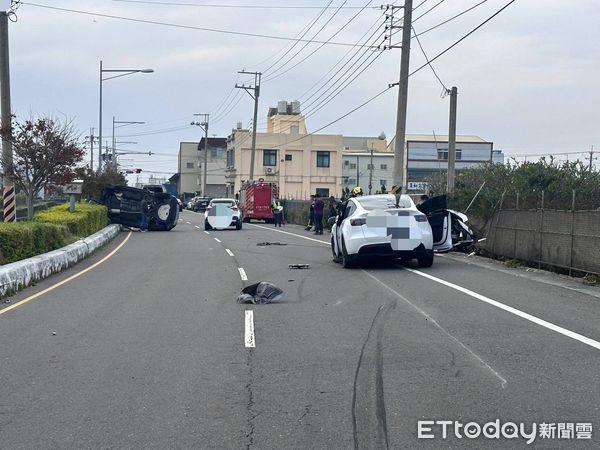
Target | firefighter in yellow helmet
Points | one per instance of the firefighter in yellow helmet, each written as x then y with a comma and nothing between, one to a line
356,192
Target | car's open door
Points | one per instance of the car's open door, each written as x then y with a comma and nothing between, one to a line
436,210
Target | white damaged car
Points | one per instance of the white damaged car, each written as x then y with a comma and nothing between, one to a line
375,226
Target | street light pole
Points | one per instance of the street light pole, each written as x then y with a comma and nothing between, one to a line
100,125
122,73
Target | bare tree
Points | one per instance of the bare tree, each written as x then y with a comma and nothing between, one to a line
45,152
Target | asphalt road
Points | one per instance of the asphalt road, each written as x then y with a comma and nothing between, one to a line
149,350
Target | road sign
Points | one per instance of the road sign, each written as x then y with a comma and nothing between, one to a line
417,186
76,187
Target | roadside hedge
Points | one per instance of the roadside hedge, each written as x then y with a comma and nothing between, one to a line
86,220
26,239
52,229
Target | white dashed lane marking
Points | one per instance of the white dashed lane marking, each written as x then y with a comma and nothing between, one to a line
249,333
229,252
243,274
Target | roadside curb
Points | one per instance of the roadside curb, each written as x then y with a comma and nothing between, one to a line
20,274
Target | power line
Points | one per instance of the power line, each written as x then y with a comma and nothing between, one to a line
205,5
341,59
412,73
464,37
445,89
174,25
429,10
300,34
322,45
303,34
452,18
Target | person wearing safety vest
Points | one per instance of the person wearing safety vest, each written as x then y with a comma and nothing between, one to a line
277,212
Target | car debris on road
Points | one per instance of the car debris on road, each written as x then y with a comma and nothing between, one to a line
299,266
260,293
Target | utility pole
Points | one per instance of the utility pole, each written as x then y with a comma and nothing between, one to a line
371,171
254,92
452,141
204,126
399,149
91,137
9,202
591,158
357,171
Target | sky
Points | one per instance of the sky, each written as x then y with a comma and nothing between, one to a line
526,80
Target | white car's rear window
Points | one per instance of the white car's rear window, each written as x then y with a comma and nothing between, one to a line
223,202
384,202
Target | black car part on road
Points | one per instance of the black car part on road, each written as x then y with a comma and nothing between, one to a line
125,207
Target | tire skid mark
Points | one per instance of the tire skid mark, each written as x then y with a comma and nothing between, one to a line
369,423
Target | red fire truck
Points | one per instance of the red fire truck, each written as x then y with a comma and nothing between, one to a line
256,198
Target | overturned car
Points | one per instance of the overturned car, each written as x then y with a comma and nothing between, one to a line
125,207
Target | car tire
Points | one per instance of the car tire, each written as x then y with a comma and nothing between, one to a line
207,226
425,259
348,261
238,225
336,257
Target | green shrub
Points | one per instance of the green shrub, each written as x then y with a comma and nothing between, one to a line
86,220
26,239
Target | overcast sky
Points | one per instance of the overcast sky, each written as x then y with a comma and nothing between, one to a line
526,80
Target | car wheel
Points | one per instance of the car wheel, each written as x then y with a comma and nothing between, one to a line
348,261
425,259
207,226
336,257
238,225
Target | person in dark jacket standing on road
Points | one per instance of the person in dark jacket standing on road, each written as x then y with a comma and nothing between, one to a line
145,206
319,207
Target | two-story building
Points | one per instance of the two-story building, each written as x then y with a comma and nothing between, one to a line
190,171
426,156
301,164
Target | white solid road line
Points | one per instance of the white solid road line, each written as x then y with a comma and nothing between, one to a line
489,301
291,234
510,309
249,333
229,252
217,239
207,232
442,329
243,274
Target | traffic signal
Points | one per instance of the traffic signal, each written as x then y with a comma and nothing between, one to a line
137,170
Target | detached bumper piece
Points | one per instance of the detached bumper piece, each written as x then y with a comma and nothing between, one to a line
125,207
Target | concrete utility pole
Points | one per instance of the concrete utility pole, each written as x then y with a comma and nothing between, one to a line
256,93
399,148
9,202
204,126
91,137
371,171
452,140
591,158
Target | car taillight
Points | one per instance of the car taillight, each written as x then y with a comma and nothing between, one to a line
420,218
357,222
